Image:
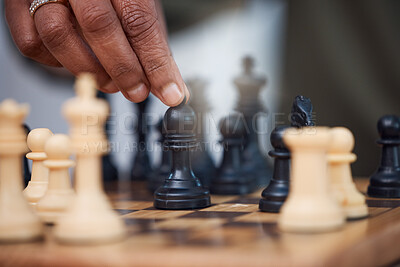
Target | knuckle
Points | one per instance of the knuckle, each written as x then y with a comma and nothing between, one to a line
54,32
97,20
138,20
155,64
120,69
29,46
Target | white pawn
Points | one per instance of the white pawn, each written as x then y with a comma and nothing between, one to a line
339,159
310,207
37,186
58,197
17,220
90,218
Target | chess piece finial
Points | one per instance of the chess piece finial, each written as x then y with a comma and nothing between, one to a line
85,86
301,114
17,221
181,190
248,64
385,182
38,184
309,206
276,192
339,160
12,116
231,177
59,195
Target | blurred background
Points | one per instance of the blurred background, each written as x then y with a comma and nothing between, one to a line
343,55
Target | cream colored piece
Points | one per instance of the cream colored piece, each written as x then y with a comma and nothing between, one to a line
90,218
343,187
58,197
310,207
17,220
37,186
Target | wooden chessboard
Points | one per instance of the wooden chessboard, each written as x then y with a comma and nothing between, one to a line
232,232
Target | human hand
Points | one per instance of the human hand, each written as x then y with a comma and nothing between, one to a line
123,42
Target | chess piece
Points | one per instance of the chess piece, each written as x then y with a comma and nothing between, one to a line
17,220
385,182
309,206
37,186
232,178
202,163
276,192
58,197
343,187
159,175
181,190
302,112
26,171
110,171
141,166
90,218
249,86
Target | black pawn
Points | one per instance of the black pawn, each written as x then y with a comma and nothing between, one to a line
141,169
276,193
232,177
181,190
158,176
385,182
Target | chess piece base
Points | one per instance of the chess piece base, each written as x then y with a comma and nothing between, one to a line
181,198
356,212
90,220
18,223
385,185
268,205
274,196
35,191
310,216
383,191
54,205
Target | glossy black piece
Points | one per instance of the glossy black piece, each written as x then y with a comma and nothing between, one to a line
141,169
232,178
301,114
181,190
158,176
275,194
277,191
385,182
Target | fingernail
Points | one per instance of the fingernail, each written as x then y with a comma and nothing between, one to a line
171,94
187,93
138,93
